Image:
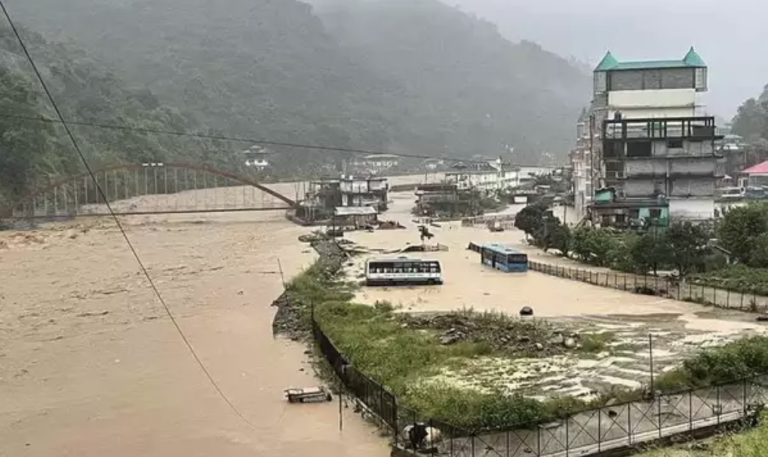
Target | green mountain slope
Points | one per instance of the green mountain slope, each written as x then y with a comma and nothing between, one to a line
31,152
400,76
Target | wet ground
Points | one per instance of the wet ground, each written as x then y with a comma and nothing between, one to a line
677,329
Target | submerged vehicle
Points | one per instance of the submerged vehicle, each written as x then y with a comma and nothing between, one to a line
402,271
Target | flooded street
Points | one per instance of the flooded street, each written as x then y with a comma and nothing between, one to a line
678,328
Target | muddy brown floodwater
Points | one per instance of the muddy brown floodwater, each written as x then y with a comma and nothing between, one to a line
678,329
90,365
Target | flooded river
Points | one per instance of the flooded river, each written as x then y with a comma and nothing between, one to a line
90,365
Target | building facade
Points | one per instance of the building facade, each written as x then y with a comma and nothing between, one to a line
487,178
648,136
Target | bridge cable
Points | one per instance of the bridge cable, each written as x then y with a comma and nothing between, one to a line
119,225
237,139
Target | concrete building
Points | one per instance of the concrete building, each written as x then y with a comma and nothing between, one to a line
370,191
648,136
325,195
581,164
485,177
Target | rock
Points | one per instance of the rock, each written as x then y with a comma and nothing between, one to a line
539,347
449,339
570,343
557,339
526,311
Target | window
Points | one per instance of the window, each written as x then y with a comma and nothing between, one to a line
517,258
655,213
675,144
639,149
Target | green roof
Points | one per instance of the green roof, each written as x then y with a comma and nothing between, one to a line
691,60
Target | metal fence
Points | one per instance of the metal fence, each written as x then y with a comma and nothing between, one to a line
370,393
699,411
660,286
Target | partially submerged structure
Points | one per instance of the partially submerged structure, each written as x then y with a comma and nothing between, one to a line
608,211
325,196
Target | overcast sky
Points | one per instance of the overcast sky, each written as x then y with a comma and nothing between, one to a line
729,36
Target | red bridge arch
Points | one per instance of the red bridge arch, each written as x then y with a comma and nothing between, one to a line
73,191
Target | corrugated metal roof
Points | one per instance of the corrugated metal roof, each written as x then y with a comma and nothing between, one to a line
355,211
760,168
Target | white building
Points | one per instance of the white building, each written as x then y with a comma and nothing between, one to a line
485,177
647,135
371,191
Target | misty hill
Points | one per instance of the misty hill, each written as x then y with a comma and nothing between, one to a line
32,151
751,120
399,76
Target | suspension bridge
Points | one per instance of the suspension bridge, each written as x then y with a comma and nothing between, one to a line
147,189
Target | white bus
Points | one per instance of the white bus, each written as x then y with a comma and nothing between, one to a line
402,271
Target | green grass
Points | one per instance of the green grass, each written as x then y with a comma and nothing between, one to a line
752,443
737,278
399,357
596,342
732,362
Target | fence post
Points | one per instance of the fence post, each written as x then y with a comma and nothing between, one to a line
728,298
719,406
690,410
714,296
625,282
629,422
744,397
567,437
599,429
741,305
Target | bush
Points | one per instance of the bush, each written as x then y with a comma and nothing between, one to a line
729,363
737,278
593,246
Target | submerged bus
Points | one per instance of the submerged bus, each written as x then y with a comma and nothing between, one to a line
402,271
504,258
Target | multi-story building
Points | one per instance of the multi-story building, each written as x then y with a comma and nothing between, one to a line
649,137
485,177
369,191
581,165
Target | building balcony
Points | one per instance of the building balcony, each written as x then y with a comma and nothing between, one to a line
696,128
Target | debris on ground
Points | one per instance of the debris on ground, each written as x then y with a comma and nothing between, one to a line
503,333
390,225
287,320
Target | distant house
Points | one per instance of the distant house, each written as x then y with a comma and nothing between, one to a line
485,177
757,176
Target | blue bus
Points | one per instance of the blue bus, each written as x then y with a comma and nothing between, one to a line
504,258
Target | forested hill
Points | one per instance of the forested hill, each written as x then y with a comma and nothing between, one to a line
751,120
465,86
402,76
34,151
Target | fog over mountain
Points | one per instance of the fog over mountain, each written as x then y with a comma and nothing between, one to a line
726,34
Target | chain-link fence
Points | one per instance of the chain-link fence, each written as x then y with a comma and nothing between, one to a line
700,411
660,286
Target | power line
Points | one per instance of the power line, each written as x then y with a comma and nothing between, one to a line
117,220
237,139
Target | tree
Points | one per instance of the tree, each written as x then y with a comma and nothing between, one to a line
555,235
687,245
650,251
593,245
530,219
740,228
